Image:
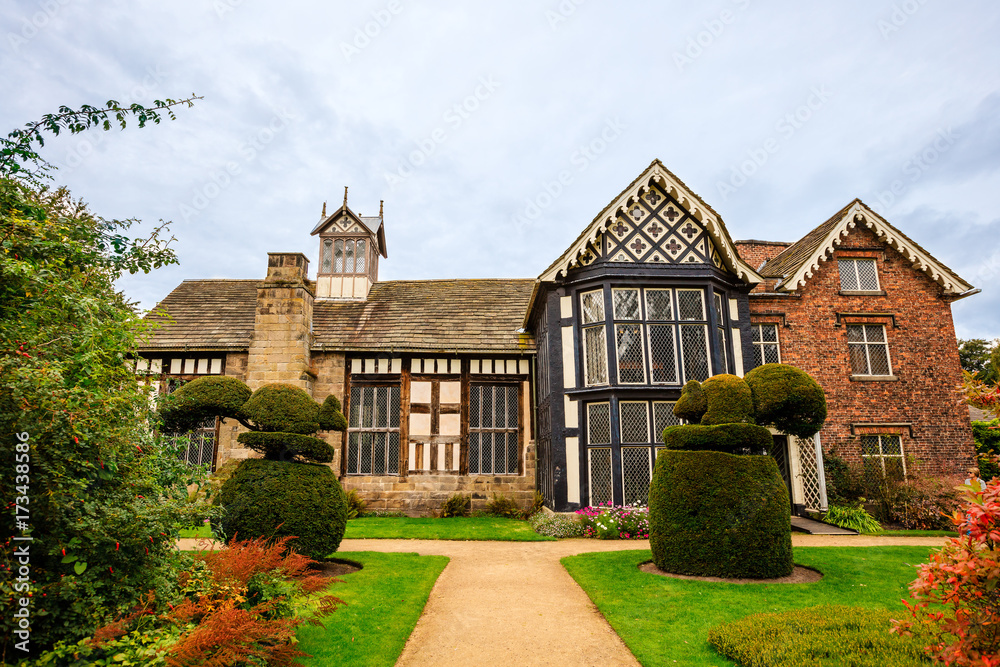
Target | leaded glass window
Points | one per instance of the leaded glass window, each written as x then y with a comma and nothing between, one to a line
631,368
883,459
327,264
766,349
869,349
858,275
373,431
493,429
626,304
361,257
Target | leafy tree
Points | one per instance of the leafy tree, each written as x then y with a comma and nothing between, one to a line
981,358
99,497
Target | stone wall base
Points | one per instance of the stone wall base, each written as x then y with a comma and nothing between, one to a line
423,495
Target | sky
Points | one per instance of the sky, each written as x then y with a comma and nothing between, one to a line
461,116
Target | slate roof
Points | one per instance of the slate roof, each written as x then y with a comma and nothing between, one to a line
429,316
481,315
207,314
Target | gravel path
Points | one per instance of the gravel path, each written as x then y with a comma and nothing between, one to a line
512,603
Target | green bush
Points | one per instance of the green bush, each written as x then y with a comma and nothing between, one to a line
556,525
853,517
716,514
788,399
287,446
987,436
355,504
729,400
692,404
505,506
844,482
277,499
458,504
823,635
283,408
206,397
330,416
730,438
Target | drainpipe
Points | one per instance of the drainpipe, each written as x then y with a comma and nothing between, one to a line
821,473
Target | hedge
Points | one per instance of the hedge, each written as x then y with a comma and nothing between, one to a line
692,404
729,400
283,408
788,399
330,416
287,446
275,499
730,438
987,437
716,514
200,399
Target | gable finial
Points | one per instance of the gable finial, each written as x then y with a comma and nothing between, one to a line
323,214
345,195
380,203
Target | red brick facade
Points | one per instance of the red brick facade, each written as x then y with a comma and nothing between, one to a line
919,401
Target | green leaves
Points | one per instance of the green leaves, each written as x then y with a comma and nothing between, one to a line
80,567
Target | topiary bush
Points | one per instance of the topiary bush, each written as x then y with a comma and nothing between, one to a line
283,408
277,499
788,399
692,404
731,438
199,399
826,634
720,515
728,400
330,416
287,446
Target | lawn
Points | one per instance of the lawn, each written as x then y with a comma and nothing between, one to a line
384,601
457,528
201,532
665,620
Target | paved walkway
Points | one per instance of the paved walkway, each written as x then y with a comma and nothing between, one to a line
512,603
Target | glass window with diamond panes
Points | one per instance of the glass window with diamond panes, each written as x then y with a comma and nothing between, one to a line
197,446
720,332
858,275
766,349
373,431
882,456
493,429
595,348
599,471
869,349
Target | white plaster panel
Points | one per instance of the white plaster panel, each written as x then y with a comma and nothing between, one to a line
420,392
156,366
355,365
396,366
413,455
427,456
216,366
450,425
522,367
420,424
572,415
440,461
568,358
203,366
188,366
566,306
573,470
475,366
738,351
442,366
451,392
414,365
734,310
175,366
455,453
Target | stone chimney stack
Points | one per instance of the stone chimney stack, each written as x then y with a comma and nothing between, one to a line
279,351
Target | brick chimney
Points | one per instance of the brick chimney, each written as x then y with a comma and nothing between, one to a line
279,351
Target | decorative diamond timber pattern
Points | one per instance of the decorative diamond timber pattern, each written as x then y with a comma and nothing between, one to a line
809,473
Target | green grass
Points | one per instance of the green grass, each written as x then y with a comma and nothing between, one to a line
384,601
471,528
199,532
918,533
663,620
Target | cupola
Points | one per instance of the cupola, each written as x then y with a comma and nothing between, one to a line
349,249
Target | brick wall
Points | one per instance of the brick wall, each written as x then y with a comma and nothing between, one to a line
922,348
756,253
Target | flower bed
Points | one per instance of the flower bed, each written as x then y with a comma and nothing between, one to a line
615,522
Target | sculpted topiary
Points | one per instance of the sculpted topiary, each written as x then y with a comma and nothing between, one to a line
717,507
286,492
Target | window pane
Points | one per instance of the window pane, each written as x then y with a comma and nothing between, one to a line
626,303
361,257
327,256
855,333
878,355
848,278
867,275
769,332
475,406
694,353
338,256
894,468
600,476
891,445
630,361
690,305
592,304
719,315
663,416
869,445
349,257
755,332
757,358
393,466
859,361
353,452
488,409
771,354
662,354
875,333
634,421
635,475
598,423
596,355
475,449
720,341
658,305
356,400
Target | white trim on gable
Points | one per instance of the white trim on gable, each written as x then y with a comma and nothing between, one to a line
859,214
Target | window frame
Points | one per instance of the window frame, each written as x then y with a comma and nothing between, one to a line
866,345
882,456
760,343
857,275
516,430
361,429
587,326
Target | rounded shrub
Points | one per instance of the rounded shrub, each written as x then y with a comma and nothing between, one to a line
283,408
728,399
277,499
330,416
195,401
692,404
720,515
788,399
287,446
729,438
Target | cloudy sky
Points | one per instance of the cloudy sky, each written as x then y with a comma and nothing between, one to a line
461,116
